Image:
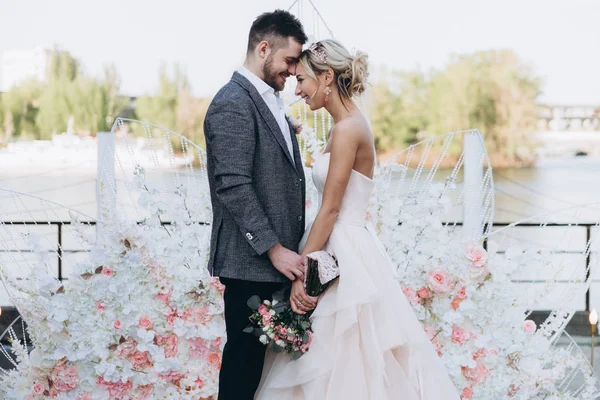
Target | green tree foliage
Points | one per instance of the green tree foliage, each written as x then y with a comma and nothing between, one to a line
493,91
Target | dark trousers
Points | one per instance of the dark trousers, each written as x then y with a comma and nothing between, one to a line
243,355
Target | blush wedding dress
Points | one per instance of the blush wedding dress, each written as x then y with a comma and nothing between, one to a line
367,343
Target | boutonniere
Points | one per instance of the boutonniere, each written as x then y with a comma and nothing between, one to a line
296,125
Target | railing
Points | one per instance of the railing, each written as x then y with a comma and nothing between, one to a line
60,251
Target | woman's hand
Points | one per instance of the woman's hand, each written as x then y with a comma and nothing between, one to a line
300,301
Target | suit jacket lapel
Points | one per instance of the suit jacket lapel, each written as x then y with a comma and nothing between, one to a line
296,148
265,113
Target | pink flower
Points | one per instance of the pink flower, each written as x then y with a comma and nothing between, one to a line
38,388
140,360
145,322
477,255
64,378
477,374
117,324
198,315
100,306
170,344
107,271
529,327
460,296
424,293
116,390
411,295
479,353
126,349
438,281
467,393
216,283
143,392
460,336
165,297
214,359
197,347
173,377
262,309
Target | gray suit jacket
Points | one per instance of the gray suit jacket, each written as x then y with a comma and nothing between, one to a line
257,190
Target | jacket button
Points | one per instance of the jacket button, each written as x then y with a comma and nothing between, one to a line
299,217
249,236
297,183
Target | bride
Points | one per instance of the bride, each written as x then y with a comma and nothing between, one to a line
367,342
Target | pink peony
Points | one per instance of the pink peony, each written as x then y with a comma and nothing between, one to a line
477,255
143,392
466,393
424,293
126,349
107,271
214,359
197,347
479,353
165,297
116,390
145,322
173,377
170,345
64,378
438,281
529,327
477,374
198,315
117,324
460,336
216,284
38,388
411,295
140,360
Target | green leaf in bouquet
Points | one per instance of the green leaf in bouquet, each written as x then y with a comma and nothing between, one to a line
305,337
280,307
254,302
258,331
274,347
296,355
278,296
248,329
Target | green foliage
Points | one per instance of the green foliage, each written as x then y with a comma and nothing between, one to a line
36,110
493,91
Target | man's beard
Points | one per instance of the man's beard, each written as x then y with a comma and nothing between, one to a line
270,76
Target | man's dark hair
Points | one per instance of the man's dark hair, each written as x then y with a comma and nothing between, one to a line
275,27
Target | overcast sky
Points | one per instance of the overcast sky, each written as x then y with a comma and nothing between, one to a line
560,39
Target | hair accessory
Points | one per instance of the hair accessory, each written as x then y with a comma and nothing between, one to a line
318,50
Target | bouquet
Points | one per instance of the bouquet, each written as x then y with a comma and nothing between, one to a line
274,322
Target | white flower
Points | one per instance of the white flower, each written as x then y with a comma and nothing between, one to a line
263,339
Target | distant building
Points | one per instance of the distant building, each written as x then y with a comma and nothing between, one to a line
569,118
19,65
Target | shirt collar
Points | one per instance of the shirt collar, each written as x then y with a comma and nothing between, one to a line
261,86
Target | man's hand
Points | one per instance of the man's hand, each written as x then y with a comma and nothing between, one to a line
288,262
300,301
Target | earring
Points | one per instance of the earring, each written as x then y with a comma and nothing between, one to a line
327,91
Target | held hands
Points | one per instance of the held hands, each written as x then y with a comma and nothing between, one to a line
288,262
301,302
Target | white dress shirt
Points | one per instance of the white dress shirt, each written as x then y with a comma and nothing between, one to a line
273,101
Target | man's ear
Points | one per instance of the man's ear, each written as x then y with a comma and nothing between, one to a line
264,49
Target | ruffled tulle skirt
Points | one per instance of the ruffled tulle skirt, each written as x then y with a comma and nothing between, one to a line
367,343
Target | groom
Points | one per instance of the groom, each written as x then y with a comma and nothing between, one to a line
257,191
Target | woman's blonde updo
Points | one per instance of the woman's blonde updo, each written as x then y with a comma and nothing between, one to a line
351,71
